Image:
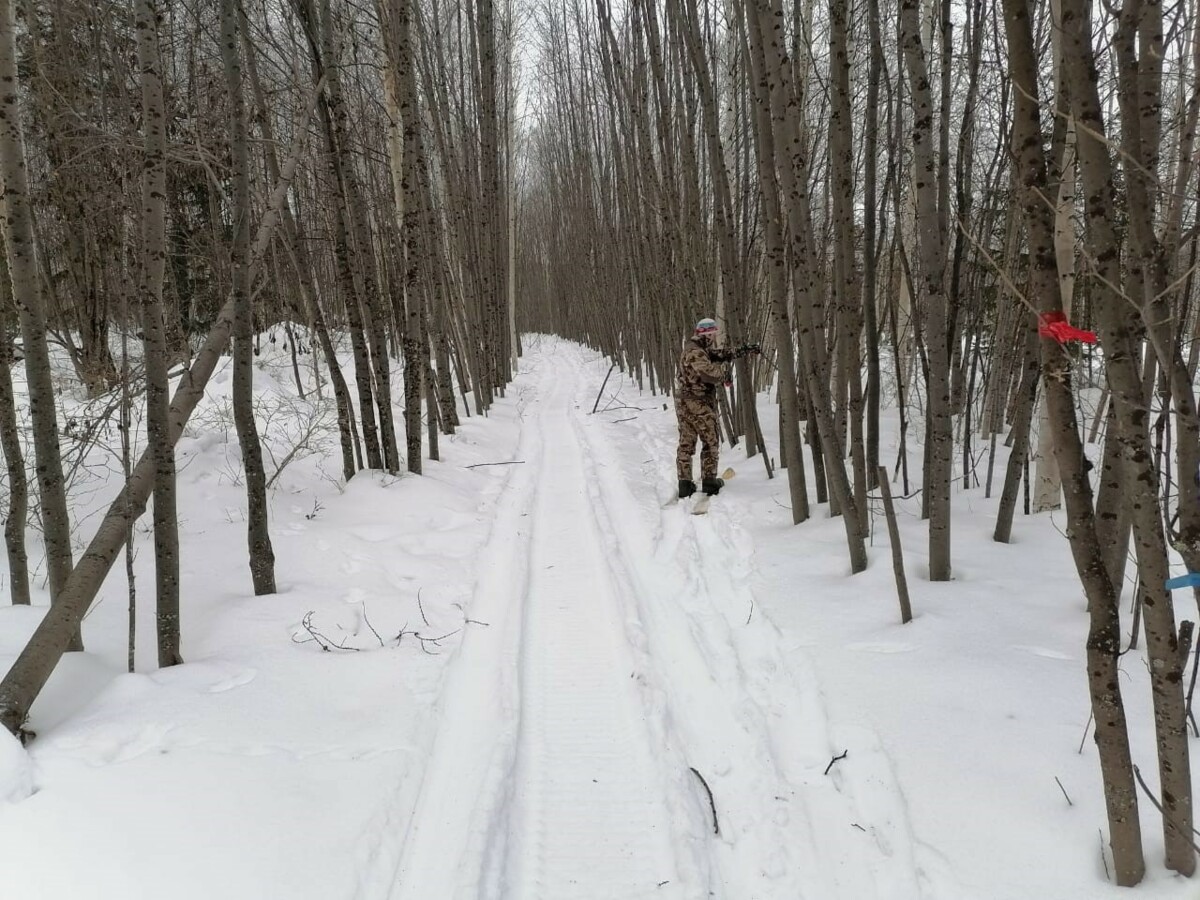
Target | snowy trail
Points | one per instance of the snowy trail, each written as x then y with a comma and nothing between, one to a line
623,656
463,788
589,818
542,781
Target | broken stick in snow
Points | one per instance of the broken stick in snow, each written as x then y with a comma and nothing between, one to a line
711,803
603,386
1064,791
845,753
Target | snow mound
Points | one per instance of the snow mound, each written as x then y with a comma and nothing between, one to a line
16,771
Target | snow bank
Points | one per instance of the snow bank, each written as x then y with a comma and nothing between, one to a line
293,764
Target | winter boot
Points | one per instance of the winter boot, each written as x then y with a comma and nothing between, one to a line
687,487
713,485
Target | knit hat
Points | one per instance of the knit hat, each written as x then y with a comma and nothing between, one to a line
706,326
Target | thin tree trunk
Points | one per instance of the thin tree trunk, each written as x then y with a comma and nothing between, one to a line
932,254
342,233
1020,440
14,456
767,38
869,290
846,298
26,287
1103,645
1115,326
154,258
262,555
417,255
792,446
347,428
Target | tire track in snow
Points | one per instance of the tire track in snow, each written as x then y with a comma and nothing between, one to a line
462,794
739,710
588,818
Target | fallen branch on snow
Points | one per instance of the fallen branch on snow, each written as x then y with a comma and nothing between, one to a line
602,387
322,640
711,803
845,753
425,640
1064,791
1085,732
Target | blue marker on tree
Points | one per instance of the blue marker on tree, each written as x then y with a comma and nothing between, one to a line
1191,579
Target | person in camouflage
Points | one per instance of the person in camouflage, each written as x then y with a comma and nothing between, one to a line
700,371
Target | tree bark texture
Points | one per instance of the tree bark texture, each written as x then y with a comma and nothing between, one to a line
154,344
1116,326
14,456
1104,634
931,268
27,294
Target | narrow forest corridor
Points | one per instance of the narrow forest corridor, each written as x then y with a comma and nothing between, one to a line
345,348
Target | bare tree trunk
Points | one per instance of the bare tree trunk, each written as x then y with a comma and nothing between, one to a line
767,38
23,271
1048,491
846,297
491,200
789,406
344,267
1104,635
262,555
869,290
14,457
1020,440
932,252
1115,322
347,429
126,419
417,255
154,258
364,274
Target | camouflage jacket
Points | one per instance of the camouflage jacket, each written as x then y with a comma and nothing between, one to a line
699,374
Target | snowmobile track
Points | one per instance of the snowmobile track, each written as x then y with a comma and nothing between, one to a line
588,817
542,780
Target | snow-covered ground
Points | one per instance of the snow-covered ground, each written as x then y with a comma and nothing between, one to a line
539,669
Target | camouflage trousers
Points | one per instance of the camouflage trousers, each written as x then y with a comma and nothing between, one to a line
697,419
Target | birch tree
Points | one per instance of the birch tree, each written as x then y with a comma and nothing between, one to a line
154,195
262,554
1104,635
931,267
27,295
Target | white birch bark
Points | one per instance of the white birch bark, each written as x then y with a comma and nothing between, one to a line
1047,482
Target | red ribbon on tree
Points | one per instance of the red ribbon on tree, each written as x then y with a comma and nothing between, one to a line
1054,325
